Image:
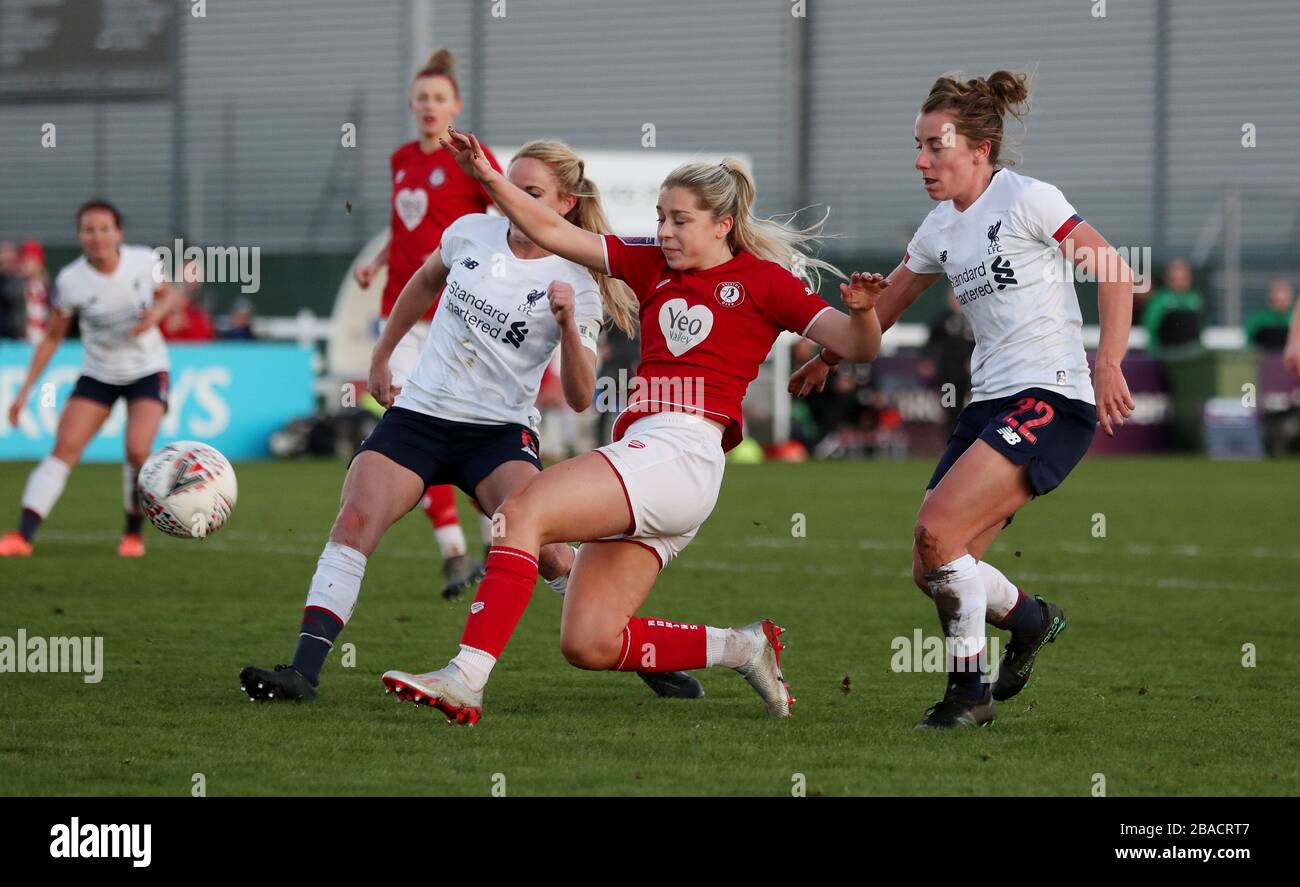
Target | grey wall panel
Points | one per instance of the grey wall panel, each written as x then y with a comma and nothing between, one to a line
1232,64
268,84
1089,131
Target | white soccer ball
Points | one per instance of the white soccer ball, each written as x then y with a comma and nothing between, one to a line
188,489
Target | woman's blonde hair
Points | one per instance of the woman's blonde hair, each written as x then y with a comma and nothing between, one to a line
570,176
727,189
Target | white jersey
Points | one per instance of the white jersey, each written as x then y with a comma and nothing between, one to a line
108,306
1001,256
493,333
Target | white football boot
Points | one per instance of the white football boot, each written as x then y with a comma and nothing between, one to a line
763,670
442,689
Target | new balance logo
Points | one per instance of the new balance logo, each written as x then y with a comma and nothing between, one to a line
943,256
469,263
1003,273
1008,435
518,330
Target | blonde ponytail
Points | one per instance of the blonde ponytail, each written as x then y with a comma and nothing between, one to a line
727,189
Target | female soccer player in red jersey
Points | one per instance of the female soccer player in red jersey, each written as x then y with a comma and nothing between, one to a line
467,414
714,296
1008,245
429,193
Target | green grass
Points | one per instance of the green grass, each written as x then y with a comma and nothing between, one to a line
1147,687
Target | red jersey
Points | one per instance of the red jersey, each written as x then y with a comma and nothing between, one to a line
705,333
429,193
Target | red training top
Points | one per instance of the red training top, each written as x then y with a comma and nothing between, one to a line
429,193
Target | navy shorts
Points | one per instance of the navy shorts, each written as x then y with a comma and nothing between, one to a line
153,386
441,451
1036,427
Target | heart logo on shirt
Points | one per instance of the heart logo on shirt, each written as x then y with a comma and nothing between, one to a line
684,327
411,204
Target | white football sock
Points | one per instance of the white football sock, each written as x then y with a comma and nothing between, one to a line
451,540
475,667
959,596
45,486
1001,592
130,496
727,647
337,580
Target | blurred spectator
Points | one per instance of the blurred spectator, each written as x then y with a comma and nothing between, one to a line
13,305
1173,315
950,346
1291,356
36,289
188,322
239,326
1267,328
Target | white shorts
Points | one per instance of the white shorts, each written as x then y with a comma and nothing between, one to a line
402,362
670,465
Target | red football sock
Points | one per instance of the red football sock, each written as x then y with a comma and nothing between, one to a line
501,600
661,645
439,503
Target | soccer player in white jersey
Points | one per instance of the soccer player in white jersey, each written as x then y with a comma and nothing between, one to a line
1005,243
118,294
714,292
466,414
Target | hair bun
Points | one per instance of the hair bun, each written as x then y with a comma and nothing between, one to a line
1005,87
442,61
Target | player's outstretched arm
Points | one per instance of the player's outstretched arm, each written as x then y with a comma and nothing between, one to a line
54,333
901,288
416,298
1115,312
364,274
855,335
543,226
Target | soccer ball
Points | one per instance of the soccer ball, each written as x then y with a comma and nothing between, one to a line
188,489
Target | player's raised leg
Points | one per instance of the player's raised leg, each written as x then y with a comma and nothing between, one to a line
376,493
143,417
600,630
981,489
79,423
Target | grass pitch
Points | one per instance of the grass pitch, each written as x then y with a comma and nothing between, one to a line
1147,687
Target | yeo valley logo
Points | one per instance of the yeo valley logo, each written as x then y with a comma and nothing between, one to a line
684,327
